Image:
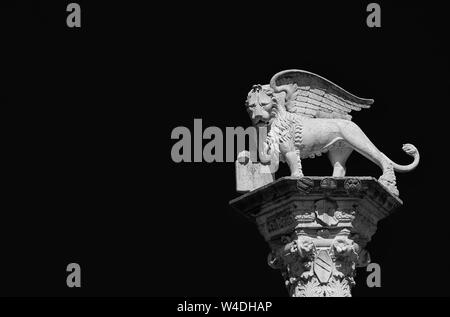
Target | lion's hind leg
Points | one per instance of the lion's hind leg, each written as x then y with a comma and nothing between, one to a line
388,178
357,139
338,156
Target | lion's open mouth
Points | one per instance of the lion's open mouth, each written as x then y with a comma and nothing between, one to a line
261,123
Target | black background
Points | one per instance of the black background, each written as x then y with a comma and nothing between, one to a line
88,115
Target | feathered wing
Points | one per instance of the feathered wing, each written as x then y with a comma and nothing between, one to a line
313,96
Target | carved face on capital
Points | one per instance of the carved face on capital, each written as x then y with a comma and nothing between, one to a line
259,104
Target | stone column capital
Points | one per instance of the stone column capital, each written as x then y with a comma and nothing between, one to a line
317,228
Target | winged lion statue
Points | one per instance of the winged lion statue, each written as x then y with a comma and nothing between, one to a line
307,115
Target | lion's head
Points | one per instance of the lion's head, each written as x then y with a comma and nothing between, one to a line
259,104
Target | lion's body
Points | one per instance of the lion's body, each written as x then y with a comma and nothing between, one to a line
321,135
294,137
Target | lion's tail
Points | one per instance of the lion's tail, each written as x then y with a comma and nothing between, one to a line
410,150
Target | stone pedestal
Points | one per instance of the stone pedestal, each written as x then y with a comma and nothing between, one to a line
317,228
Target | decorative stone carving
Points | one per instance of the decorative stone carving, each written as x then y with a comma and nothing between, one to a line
305,184
318,237
352,185
251,175
325,212
328,184
307,115
317,272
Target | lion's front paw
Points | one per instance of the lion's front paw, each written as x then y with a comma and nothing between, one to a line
409,149
297,175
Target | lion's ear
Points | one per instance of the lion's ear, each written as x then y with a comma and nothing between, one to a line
279,100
